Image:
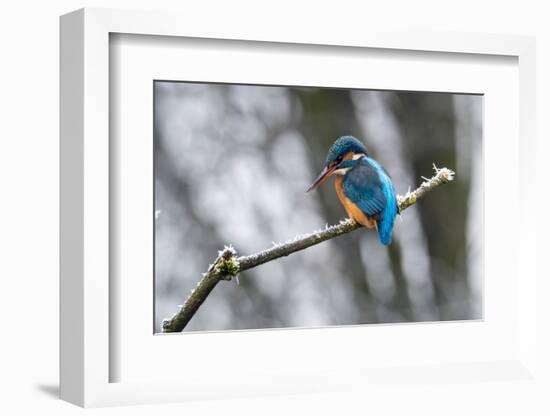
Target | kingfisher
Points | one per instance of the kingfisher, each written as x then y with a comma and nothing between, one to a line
363,186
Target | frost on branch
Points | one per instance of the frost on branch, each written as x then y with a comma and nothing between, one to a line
441,176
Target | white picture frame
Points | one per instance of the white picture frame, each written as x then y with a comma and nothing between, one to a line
87,354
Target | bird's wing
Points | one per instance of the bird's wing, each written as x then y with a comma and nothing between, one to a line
363,187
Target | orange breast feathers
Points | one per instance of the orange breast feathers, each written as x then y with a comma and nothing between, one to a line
352,210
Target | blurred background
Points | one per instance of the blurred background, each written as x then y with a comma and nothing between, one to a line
232,163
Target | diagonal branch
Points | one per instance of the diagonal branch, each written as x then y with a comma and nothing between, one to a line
227,265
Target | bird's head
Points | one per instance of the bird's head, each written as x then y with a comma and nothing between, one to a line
341,156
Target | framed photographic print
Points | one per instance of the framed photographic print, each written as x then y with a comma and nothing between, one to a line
195,264
248,149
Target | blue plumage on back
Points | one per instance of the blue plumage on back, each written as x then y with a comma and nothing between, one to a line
368,186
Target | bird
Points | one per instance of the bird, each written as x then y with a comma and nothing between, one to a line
363,186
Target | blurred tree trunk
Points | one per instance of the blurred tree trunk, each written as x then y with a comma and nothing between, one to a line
327,115
425,143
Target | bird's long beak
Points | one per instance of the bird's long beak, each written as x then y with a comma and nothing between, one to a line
323,176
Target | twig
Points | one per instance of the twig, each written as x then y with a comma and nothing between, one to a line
227,265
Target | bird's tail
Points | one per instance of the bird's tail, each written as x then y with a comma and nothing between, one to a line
384,232
385,227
